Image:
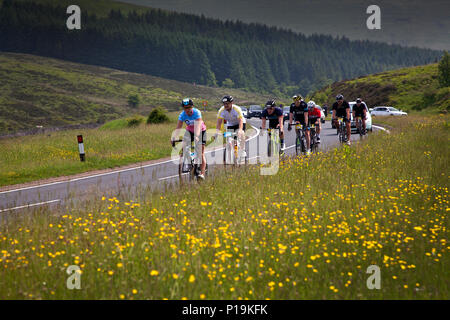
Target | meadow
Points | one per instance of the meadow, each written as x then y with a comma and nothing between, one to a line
308,232
114,144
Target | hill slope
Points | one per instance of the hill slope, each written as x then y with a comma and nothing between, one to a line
414,88
193,48
41,91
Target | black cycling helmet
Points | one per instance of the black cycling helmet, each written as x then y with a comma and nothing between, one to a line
227,99
271,103
187,102
339,97
358,100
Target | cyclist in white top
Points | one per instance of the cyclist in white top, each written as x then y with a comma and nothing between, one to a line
234,118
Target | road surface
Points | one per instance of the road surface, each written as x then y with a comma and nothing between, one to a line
133,181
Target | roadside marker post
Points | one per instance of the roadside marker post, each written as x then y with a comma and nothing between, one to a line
81,148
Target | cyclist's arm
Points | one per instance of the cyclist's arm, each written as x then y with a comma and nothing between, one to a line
241,124
219,124
177,130
280,122
291,115
306,117
263,123
198,127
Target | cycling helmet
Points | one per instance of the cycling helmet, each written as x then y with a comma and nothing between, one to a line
297,97
358,100
187,102
311,104
227,99
271,103
339,97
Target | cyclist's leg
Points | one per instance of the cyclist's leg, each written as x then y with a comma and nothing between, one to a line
349,129
308,136
187,138
364,122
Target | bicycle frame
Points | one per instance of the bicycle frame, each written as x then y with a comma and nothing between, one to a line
300,139
187,161
272,141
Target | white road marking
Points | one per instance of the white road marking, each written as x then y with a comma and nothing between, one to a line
381,128
30,205
170,177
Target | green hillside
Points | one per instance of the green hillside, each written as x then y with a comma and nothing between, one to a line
415,88
41,91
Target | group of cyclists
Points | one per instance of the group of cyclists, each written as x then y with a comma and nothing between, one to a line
300,112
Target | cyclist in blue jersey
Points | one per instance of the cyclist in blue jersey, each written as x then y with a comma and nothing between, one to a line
194,127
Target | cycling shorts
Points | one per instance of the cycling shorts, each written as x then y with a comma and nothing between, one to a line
203,139
236,127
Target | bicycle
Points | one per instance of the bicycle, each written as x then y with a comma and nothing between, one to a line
191,168
273,140
300,139
359,127
313,138
342,131
232,146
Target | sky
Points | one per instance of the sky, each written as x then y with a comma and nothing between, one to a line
405,22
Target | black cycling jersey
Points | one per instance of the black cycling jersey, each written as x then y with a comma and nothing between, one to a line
273,118
298,113
359,110
341,111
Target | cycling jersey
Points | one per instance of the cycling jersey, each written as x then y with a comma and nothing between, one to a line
341,111
190,120
273,118
231,117
359,111
314,113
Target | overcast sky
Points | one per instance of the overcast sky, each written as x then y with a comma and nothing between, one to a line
407,22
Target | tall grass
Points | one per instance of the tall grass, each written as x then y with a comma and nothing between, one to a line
310,231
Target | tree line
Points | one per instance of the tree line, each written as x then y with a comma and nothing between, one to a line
200,50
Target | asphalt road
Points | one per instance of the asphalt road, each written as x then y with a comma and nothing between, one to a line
135,181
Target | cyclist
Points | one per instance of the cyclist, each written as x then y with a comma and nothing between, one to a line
275,116
194,125
299,113
359,111
341,108
235,121
314,117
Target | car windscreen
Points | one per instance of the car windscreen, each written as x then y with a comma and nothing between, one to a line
255,108
393,109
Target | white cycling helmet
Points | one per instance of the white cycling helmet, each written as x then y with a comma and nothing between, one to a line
311,104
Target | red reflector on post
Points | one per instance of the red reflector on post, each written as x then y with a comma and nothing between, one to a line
80,139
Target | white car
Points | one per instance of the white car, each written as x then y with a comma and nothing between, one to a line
368,117
387,111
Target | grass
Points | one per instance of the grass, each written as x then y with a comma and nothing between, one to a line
114,144
411,89
38,91
308,232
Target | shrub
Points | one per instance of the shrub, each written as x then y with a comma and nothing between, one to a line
158,115
134,121
134,100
